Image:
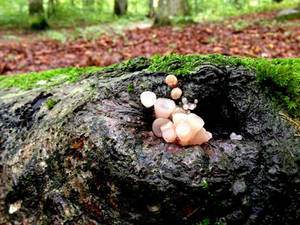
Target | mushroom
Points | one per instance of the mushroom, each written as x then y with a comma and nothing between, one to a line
171,80
184,132
201,137
148,98
195,121
164,107
178,118
157,124
168,132
176,93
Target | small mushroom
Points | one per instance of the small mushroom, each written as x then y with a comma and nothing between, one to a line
157,124
164,107
168,132
178,118
200,137
148,98
195,121
171,80
184,132
176,93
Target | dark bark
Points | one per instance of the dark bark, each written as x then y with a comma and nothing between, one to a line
120,7
37,18
90,159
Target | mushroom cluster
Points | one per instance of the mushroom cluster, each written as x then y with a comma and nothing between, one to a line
176,124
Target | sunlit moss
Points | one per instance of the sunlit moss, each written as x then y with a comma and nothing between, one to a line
280,78
51,77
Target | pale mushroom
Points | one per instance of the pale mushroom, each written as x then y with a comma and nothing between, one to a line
195,121
148,98
157,124
178,118
164,107
200,137
171,80
184,132
176,93
168,132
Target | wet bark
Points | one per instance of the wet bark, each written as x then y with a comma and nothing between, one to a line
89,158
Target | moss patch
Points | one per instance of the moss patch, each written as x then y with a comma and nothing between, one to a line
280,78
50,103
50,78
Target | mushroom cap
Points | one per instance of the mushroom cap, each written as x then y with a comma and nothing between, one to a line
168,132
178,118
176,93
164,107
171,80
157,124
200,137
148,98
195,121
184,131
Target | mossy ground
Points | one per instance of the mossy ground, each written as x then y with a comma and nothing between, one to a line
280,78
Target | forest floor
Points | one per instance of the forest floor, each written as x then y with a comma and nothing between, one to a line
253,35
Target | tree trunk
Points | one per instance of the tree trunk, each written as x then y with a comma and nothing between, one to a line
151,9
170,8
37,19
120,7
51,7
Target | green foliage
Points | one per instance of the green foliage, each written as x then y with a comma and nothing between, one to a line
51,78
130,88
206,221
14,14
220,9
50,103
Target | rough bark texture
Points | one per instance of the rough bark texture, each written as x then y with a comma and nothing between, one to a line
37,19
89,159
170,8
120,7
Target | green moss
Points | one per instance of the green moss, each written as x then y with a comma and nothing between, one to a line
130,88
51,77
280,78
51,103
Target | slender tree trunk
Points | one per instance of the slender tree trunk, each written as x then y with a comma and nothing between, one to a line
37,19
151,8
51,7
120,7
169,8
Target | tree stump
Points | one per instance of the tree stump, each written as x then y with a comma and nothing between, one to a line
89,159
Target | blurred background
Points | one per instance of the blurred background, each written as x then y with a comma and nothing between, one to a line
37,35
